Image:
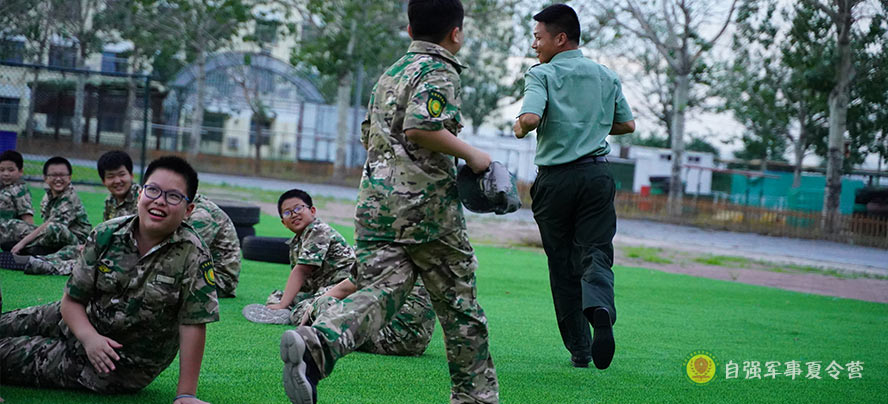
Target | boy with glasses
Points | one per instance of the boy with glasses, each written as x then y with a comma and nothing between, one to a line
65,223
143,289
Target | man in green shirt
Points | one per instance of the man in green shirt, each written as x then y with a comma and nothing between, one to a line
574,103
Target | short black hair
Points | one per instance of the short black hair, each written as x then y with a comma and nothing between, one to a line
432,20
560,18
294,193
179,166
56,160
113,160
13,156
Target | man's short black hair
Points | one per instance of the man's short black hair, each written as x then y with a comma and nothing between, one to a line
178,166
113,160
56,160
294,193
13,156
432,20
560,18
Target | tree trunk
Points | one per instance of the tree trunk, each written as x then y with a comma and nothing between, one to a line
77,134
680,102
799,148
198,112
838,114
32,105
343,94
128,113
258,125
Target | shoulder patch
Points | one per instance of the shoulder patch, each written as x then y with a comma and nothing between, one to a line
436,103
208,272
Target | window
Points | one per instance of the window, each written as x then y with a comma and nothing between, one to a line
62,56
113,63
64,121
693,159
666,157
232,143
266,132
214,126
112,123
9,109
266,31
12,51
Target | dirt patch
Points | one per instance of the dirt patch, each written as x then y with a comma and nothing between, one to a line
732,266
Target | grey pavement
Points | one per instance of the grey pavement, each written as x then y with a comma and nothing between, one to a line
767,248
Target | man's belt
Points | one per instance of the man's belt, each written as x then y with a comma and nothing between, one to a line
582,160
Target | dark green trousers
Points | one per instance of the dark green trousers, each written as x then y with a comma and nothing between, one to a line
573,206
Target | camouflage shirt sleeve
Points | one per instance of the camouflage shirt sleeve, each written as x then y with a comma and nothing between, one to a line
22,201
314,247
82,282
200,303
434,102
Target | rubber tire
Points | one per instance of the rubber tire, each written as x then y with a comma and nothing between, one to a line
241,213
266,249
244,231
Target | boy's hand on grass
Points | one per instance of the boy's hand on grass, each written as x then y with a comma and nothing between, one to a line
190,400
100,351
17,248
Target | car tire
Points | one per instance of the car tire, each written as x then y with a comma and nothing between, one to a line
244,231
241,213
266,249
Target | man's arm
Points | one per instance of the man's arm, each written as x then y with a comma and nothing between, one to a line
99,349
525,124
443,141
622,128
294,283
192,338
29,238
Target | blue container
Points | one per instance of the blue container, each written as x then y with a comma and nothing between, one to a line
7,140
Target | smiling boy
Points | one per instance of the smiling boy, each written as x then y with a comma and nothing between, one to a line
15,197
143,290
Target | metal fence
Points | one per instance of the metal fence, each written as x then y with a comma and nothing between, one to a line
110,108
724,215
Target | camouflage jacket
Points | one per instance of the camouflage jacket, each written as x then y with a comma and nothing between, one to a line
321,246
141,301
67,210
408,193
217,231
129,206
15,200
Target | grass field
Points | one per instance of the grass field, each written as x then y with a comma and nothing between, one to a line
662,318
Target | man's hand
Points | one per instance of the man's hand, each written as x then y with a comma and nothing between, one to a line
518,130
479,161
277,306
100,351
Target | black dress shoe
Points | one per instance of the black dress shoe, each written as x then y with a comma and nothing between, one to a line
602,338
578,362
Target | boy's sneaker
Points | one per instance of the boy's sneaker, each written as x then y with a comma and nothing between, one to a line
301,374
259,313
9,260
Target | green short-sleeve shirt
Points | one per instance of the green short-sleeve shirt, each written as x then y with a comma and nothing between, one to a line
129,205
15,200
322,247
578,101
66,209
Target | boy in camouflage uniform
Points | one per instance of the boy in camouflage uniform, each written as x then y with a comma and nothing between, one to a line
142,290
408,220
217,230
15,196
65,224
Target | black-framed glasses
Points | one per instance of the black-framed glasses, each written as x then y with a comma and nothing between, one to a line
171,197
290,212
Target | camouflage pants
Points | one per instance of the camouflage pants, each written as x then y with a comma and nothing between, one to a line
60,262
54,236
408,334
386,274
36,349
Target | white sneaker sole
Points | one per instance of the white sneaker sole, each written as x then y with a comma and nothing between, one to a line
296,384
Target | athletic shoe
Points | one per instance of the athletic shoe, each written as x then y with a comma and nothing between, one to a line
259,313
9,260
602,338
301,374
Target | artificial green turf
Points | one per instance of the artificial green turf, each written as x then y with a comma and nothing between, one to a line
662,318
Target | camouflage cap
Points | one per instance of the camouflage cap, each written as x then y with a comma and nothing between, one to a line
494,190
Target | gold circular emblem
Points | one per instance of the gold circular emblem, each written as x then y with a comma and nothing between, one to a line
700,367
210,276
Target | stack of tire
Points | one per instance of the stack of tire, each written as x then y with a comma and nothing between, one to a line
243,215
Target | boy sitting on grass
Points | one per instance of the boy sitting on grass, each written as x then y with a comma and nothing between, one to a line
143,289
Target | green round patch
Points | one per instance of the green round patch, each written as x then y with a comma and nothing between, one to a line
436,104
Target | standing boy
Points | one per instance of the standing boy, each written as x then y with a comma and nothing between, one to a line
142,290
408,220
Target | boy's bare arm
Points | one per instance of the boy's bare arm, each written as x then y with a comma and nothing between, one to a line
29,238
192,339
294,283
443,141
